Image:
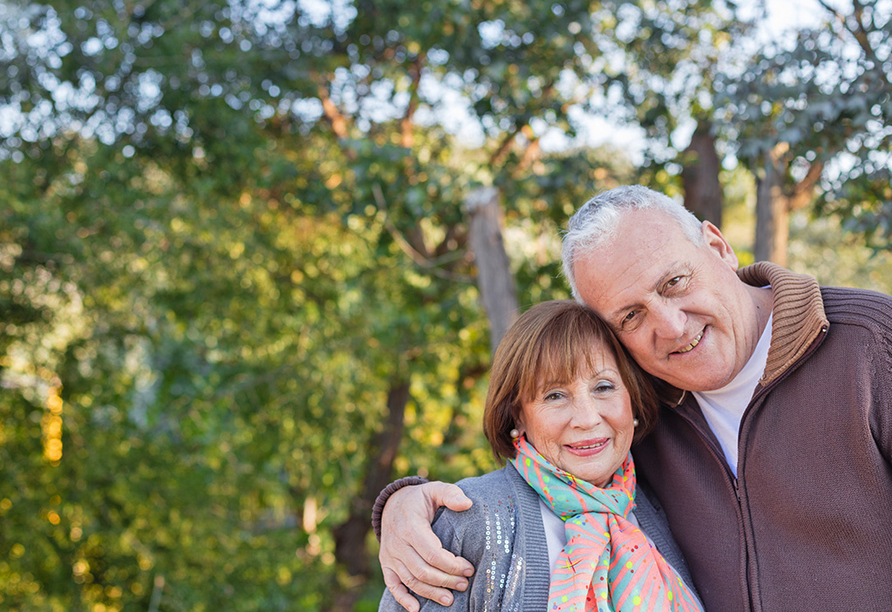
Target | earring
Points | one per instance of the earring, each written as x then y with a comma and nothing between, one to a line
514,434
634,422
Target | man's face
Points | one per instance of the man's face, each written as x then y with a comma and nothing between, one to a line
677,307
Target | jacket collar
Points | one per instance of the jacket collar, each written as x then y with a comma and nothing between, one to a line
798,314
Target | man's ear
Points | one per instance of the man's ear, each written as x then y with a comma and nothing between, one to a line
715,241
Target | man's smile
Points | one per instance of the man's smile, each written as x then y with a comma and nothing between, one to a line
693,343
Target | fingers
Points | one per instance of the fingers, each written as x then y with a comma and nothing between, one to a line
444,494
399,592
398,578
441,566
411,555
437,566
411,550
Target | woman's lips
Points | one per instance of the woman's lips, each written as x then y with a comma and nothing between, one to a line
588,448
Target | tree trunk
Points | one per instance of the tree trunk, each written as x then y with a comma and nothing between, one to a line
700,175
350,537
772,210
494,278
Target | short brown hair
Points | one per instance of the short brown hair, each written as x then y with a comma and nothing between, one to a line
547,343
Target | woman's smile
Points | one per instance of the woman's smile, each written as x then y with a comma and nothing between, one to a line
588,448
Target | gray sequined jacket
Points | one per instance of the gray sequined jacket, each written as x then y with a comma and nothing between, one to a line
504,537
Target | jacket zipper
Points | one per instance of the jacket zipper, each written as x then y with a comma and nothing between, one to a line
745,528
735,487
751,586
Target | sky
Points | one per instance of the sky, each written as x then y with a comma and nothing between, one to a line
792,14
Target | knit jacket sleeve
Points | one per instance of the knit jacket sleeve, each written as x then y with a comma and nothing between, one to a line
866,317
384,495
463,534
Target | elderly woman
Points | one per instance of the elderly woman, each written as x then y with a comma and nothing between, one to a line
563,526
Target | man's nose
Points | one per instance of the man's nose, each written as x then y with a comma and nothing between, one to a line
668,321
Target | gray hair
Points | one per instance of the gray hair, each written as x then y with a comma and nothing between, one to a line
596,221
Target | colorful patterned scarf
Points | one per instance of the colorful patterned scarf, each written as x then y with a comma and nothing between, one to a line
607,564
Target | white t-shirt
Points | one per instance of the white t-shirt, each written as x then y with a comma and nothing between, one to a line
724,407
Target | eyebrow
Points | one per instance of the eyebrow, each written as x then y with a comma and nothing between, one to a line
551,384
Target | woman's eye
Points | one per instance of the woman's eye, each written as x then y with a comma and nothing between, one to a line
604,386
554,395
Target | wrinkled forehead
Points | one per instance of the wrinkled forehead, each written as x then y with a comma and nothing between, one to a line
632,260
606,275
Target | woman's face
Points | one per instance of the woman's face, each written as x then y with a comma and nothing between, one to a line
583,426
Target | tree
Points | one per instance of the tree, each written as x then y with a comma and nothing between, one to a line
813,113
700,175
667,61
256,215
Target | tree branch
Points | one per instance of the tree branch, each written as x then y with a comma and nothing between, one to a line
804,190
419,259
859,33
332,113
407,136
497,157
532,152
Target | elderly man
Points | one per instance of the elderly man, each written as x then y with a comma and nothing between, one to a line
774,468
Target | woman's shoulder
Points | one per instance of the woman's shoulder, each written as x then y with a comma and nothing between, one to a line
491,492
462,532
503,532
499,494
495,488
491,482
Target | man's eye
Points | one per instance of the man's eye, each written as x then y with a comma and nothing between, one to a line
632,321
676,282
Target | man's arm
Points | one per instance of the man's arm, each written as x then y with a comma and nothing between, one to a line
411,555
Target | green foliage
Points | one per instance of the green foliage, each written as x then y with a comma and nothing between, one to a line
229,229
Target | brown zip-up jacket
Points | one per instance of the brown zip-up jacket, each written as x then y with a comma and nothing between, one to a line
807,524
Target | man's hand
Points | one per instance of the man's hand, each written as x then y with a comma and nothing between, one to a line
411,555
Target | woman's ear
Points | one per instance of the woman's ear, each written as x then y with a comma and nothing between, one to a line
517,430
519,427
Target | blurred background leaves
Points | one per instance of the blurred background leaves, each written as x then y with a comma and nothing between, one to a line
237,290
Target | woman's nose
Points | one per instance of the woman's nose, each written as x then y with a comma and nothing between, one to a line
586,412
